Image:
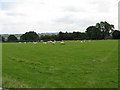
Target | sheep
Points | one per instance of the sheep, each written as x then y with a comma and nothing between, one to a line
50,41
53,43
34,42
81,41
44,42
89,41
41,40
63,43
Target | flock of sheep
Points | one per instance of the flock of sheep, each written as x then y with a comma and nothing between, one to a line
54,42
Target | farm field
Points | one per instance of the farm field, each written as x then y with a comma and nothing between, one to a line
73,65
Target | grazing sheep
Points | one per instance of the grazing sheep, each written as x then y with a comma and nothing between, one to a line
53,43
41,40
63,43
89,41
50,41
84,41
81,41
34,42
44,42
19,42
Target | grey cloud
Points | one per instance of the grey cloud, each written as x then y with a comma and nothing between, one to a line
71,9
101,5
66,20
74,9
84,22
42,2
15,14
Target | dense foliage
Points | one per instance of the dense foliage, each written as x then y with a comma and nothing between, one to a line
102,30
2,39
12,38
116,34
30,36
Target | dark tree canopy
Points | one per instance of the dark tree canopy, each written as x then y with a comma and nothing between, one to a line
116,34
105,28
93,33
30,36
12,38
101,30
2,39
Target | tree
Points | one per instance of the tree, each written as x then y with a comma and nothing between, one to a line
105,28
61,36
30,36
116,34
93,32
12,38
2,39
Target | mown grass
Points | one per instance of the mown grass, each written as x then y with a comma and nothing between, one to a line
73,65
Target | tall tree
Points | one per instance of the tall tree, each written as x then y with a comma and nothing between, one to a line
2,39
12,38
116,34
105,28
30,36
61,36
93,32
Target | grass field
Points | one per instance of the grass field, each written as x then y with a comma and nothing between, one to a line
73,65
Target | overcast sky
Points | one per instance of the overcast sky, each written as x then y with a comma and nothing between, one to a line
20,16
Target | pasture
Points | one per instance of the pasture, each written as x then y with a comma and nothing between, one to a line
73,65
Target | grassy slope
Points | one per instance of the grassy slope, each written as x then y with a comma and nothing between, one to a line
74,65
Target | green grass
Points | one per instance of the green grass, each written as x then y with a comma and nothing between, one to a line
73,65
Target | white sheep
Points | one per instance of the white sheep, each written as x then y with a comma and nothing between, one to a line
62,42
81,41
53,43
34,42
89,41
50,41
44,42
41,40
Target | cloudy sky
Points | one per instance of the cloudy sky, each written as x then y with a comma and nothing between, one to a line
20,16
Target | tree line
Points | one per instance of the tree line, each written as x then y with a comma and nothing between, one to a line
102,30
